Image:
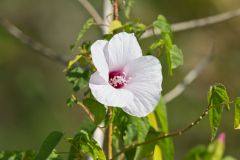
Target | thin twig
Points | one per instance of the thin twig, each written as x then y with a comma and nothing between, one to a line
166,135
92,11
181,26
89,114
110,132
39,47
189,78
86,110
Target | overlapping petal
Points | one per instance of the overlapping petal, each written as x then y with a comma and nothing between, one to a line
98,57
122,48
145,84
108,95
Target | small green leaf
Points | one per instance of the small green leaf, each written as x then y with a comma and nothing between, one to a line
78,77
237,113
81,33
96,108
217,99
162,24
167,143
176,56
71,101
83,145
48,145
157,44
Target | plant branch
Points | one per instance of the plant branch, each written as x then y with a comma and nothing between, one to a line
107,13
115,10
92,11
181,26
37,46
110,132
89,114
166,135
189,78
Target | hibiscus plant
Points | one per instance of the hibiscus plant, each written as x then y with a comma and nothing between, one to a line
118,86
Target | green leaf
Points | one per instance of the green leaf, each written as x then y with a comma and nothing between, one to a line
157,44
237,113
217,99
162,24
82,145
174,55
97,109
196,153
167,143
81,33
157,154
48,145
78,77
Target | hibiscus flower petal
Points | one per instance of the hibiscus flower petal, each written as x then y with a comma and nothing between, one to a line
98,58
122,48
108,95
145,84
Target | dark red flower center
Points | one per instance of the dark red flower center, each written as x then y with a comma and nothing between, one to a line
117,79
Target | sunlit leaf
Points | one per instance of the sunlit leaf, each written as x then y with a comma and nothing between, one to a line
116,24
82,145
48,145
70,63
217,99
157,153
153,121
237,113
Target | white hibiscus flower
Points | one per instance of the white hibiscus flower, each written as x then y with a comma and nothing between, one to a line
124,78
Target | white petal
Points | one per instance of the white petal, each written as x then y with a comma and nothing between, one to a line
108,95
145,84
122,48
98,57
